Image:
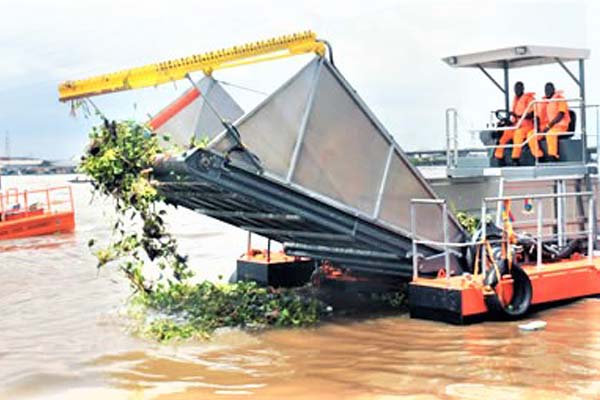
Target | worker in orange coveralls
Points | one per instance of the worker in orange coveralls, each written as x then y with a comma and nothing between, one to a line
554,119
520,105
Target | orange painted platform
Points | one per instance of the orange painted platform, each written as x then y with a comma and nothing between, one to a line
34,213
37,225
274,268
462,297
268,257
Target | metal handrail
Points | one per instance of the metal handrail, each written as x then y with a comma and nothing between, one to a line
452,133
540,237
539,213
26,195
451,137
536,133
530,107
538,196
413,230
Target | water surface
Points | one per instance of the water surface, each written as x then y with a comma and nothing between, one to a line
62,336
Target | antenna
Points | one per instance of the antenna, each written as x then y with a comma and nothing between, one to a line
7,145
6,153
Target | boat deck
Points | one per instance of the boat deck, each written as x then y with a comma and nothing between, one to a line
461,299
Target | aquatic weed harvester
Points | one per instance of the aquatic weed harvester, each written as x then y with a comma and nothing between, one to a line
313,168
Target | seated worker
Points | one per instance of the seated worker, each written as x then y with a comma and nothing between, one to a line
554,119
520,104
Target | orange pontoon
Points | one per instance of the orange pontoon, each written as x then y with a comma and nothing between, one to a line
36,212
510,273
348,209
462,299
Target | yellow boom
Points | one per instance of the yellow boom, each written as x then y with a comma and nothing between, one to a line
167,71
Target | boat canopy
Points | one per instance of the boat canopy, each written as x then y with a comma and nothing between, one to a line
509,58
516,57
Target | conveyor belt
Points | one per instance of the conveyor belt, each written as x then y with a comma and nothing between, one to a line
313,168
308,226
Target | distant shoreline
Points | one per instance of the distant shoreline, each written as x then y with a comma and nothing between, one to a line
37,171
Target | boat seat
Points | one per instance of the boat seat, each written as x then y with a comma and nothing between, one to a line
571,128
568,148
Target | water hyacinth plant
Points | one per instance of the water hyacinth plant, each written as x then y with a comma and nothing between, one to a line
469,222
119,161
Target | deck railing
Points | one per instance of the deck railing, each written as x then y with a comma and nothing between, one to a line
16,204
452,130
483,241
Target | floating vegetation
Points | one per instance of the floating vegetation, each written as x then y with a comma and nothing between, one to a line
469,222
394,299
119,160
185,311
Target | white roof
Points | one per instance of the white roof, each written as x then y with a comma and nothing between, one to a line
519,56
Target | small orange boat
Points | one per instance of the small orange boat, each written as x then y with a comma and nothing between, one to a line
36,212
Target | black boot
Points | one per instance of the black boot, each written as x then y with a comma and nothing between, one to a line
516,162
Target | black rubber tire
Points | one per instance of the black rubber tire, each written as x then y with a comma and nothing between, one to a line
491,277
521,300
469,252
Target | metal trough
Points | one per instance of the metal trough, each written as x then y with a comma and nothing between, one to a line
334,183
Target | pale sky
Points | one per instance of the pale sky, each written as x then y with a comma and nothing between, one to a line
389,51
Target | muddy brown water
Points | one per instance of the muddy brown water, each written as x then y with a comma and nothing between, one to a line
62,336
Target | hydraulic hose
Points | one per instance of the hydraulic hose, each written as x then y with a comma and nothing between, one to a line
329,50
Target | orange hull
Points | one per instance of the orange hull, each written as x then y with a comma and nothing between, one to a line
463,296
37,225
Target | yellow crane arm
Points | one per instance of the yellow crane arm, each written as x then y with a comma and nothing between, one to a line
167,71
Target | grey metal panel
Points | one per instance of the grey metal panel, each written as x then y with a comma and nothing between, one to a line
181,126
518,56
221,143
524,220
523,172
342,148
576,210
208,125
304,124
343,154
203,181
400,188
386,171
270,131
197,119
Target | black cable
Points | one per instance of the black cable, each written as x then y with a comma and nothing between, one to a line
241,87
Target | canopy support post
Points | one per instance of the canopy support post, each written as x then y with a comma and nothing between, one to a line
568,71
582,117
491,78
506,89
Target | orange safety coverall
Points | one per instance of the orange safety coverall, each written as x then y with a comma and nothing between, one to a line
519,107
547,112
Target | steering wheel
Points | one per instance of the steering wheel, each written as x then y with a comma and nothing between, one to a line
504,116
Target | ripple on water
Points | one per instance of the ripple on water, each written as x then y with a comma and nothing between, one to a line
62,338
